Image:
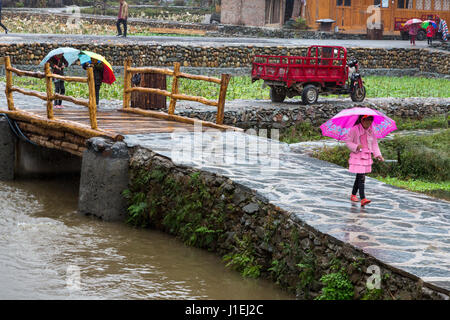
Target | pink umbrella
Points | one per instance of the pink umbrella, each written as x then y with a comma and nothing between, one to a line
339,126
412,21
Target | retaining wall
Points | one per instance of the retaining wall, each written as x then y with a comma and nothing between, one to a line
257,238
229,57
267,115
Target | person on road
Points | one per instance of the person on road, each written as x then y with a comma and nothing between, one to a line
443,28
57,64
430,34
98,76
413,30
122,18
362,143
1,24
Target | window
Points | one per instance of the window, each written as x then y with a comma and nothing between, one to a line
376,2
405,4
419,4
437,4
427,5
446,5
346,3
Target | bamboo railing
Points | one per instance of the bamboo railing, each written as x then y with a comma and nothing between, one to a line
174,95
49,96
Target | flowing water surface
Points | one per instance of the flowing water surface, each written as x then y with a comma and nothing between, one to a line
49,251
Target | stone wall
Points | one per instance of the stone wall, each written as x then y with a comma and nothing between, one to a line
267,115
254,237
229,57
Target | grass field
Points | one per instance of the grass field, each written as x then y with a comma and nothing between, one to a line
241,87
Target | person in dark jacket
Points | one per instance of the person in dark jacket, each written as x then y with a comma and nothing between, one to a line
98,76
57,64
1,24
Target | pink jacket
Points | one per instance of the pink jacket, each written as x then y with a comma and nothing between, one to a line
353,140
414,29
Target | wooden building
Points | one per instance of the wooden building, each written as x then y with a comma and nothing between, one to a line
353,15
350,15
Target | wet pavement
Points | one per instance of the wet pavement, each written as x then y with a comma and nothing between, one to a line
407,230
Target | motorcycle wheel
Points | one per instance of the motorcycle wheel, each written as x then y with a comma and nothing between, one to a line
358,94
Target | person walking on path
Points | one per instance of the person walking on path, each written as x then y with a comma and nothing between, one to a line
430,34
1,24
362,143
98,76
413,30
57,64
122,18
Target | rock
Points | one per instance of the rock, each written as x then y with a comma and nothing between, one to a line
251,208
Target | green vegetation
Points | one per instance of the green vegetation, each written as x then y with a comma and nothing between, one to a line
303,131
244,261
241,87
337,286
194,214
425,123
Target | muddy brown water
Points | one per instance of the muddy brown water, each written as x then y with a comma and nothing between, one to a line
50,251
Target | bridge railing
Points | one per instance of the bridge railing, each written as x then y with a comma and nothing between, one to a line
49,96
174,95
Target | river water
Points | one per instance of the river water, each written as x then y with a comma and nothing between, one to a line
50,251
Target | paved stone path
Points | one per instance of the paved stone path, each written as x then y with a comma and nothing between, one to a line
407,230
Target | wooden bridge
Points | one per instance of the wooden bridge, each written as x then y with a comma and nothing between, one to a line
68,129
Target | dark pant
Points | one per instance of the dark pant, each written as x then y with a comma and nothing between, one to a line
430,40
97,92
412,38
61,89
124,22
359,185
3,26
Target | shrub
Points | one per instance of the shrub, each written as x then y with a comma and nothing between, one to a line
337,287
300,23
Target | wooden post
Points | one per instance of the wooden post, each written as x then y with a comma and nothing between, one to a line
126,84
8,92
222,95
48,83
92,101
173,101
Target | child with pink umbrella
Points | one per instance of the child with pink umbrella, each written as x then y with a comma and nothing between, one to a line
360,128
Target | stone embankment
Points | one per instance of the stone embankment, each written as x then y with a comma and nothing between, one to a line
264,114
217,56
255,236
